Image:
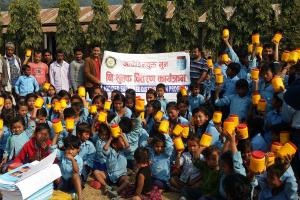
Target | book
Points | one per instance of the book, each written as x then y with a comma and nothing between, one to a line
31,181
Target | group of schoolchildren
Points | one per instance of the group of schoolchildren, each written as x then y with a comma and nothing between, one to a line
90,152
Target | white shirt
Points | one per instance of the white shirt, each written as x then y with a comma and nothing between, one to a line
59,76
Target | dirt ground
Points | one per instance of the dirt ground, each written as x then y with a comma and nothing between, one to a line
90,193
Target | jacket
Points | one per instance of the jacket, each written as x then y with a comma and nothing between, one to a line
90,73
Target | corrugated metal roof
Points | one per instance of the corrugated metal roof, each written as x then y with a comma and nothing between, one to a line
48,16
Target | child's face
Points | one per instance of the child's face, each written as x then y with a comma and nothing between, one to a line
76,105
273,181
30,102
27,71
97,92
99,104
8,104
268,75
242,91
246,157
104,136
84,136
41,119
51,91
173,114
129,103
200,119
66,98
160,92
150,97
120,145
72,151
23,111
229,72
149,109
193,146
182,108
17,128
42,136
213,160
159,147
118,105
112,95
195,91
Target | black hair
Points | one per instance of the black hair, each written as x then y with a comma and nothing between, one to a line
63,93
69,112
268,67
20,104
72,141
24,67
244,145
155,104
237,187
183,101
130,92
194,85
172,105
268,46
83,127
277,169
17,119
277,99
209,150
119,97
179,96
95,46
126,125
204,110
158,137
242,84
100,97
194,138
30,95
78,49
151,91
235,67
111,116
103,128
256,125
141,155
42,112
227,158
130,97
47,51
42,126
8,115
37,51
161,85
59,51
77,97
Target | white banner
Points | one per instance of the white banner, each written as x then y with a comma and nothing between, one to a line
140,72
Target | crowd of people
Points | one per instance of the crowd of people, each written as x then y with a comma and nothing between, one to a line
232,134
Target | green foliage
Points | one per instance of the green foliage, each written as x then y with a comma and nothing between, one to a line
69,33
289,23
249,16
125,36
25,27
99,29
215,22
150,37
182,31
1,34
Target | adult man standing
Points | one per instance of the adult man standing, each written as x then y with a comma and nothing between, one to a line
92,70
198,66
10,67
59,73
47,57
39,69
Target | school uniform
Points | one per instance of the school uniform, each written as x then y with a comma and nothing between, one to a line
115,164
26,85
273,117
87,153
195,101
211,129
289,191
133,138
3,140
16,142
163,102
238,105
229,86
160,164
188,115
258,143
266,92
117,119
189,171
100,157
143,138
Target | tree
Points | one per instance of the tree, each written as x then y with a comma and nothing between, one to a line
99,28
215,22
1,35
125,35
150,37
289,23
182,31
69,34
25,27
254,15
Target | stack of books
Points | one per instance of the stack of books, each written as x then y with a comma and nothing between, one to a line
32,181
